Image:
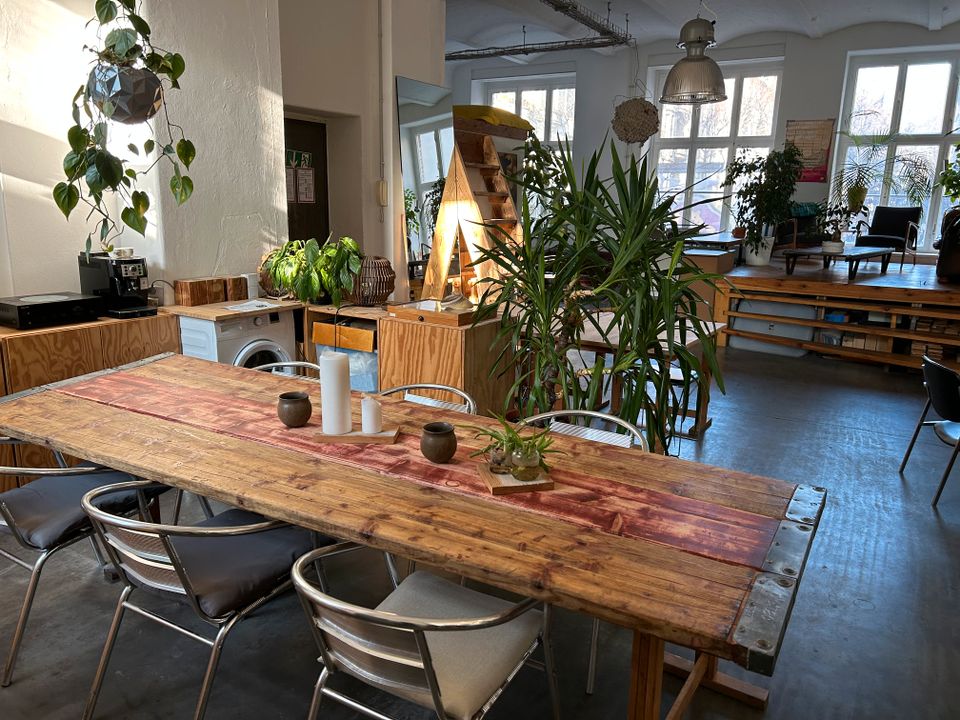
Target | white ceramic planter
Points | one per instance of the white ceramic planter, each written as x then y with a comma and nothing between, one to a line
761,256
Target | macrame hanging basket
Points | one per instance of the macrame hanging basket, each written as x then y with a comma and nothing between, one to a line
635,120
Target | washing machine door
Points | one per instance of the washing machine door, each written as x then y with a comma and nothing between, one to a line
261,352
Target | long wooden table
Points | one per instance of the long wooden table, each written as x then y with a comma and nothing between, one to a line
676,551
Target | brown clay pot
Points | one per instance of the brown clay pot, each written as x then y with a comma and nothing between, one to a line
739,232
294,409
438,442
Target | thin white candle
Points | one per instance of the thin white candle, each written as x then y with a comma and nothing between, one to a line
371,415
335,393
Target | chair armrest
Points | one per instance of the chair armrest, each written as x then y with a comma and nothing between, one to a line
860,224
913,234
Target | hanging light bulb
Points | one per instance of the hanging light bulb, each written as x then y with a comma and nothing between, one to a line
695,79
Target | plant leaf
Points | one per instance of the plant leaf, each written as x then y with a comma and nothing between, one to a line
100,133
133,220
177,65
78,138
148,147
186,152
141,203
66,196
181,187
139,24
73,164
130,5
134,149
121,40
106,11
110,168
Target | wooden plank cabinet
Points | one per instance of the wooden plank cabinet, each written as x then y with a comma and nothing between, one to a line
419,352
46,355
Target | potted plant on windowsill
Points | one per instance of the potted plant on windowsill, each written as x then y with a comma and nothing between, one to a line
832,220
764,188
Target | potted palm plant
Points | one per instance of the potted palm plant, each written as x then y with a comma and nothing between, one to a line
764,188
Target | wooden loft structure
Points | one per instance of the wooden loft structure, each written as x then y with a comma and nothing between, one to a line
476,199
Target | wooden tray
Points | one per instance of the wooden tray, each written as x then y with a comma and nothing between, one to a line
355,437
507,484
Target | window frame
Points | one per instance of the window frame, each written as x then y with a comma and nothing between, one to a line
737,71
551,82
943,140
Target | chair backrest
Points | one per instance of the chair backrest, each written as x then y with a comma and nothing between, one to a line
288,365
142,551
632,437
384,649
894,221
468,406
943,388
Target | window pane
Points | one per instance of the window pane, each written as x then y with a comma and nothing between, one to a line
427,157
561,113
709,213
715,117
757,105
675,121
924,98
915,160
672,169
506,100
709,169
873,100
446,149
533,108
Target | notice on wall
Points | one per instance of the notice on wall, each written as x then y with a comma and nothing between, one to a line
813,138
291,185
306,192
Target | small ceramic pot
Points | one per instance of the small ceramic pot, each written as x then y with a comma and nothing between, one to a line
294,409
438,442
525,466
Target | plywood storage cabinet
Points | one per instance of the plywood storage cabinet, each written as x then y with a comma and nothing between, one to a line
35,357
420,352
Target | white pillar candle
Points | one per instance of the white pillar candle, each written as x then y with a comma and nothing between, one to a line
371,415
335,393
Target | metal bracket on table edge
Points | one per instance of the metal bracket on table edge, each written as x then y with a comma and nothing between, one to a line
806,505
82,378
761,625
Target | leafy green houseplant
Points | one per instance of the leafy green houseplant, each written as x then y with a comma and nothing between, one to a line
411,212
607,262
127,84
511,450
867,167
764,186
309,270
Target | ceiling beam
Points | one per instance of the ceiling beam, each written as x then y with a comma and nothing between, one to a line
935,10
588,18
529,48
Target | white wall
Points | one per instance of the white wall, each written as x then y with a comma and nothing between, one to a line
230,106
813,73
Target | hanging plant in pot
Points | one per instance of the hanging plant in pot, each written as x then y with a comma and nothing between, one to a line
764,188
127,84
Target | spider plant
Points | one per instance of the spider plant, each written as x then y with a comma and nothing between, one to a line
606,259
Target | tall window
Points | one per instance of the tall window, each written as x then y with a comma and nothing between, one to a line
914,98
547,103
695,143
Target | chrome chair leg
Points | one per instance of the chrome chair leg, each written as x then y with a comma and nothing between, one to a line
946,474
548,662
916,433
24,614
592,664
205,504
177,505
215,651
318,694
105,655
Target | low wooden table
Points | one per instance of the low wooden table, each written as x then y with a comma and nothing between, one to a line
674,550
853,256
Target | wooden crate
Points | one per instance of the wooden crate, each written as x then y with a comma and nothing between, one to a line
200,291
343,336
236,287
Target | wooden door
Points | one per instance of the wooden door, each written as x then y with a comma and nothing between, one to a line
306,171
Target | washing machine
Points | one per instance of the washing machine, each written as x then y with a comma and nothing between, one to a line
246,340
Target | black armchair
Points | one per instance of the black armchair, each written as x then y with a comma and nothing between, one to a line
894,227
801,229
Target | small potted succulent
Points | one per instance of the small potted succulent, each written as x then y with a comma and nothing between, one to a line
512,452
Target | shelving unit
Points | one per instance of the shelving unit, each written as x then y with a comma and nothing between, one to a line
920,315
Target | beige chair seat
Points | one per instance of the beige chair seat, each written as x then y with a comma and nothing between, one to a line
470,665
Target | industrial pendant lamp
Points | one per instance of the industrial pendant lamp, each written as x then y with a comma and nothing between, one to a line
695,79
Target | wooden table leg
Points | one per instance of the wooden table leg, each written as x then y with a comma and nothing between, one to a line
717,681
646,677
704,381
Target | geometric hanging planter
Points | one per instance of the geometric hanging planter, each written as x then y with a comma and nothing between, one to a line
635,120
135,94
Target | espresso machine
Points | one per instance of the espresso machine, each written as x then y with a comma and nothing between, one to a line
120,281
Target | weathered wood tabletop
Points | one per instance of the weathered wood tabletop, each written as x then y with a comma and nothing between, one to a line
677,551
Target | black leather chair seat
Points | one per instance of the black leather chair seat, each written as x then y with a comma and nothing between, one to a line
229,573
891,241
47,511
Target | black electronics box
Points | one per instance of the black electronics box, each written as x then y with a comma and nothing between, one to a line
62,308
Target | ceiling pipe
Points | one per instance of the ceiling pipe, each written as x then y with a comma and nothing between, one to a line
610,35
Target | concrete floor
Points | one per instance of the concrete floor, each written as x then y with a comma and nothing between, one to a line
875,631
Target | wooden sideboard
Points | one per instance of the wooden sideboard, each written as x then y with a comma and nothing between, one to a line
35,357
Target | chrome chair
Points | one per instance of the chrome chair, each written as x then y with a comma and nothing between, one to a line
432,642
289,365
224,568
632,437
943,394
468,406
45,516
